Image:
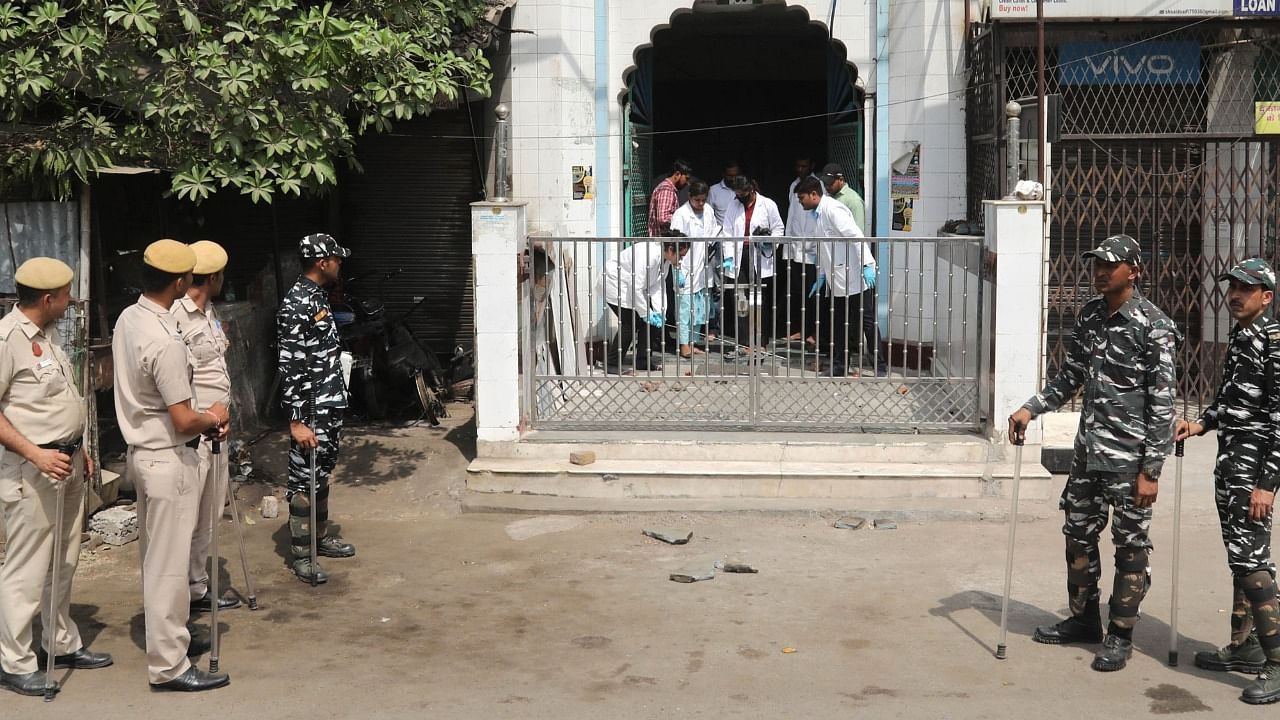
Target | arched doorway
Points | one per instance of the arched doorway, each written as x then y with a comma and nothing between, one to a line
760,83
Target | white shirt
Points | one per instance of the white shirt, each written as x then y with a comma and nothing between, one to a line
635,278
840,261
765,215
795,216
698,274
720,197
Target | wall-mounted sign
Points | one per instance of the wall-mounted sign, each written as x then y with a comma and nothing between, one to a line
1266,118
1126,63
1107,9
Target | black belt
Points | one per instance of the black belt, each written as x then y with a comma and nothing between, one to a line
193,443
67,449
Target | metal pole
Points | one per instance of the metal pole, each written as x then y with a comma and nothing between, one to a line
1012,165
244,558
1177,547
1008,560
215,512
51,620
311,492
502,150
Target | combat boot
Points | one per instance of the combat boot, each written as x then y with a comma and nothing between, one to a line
330,545
1266,689
1114,654
303,568
1248,656
1085,628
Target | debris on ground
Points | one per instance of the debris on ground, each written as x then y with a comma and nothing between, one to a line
586,457
669,535
739,567
788,650
116,525
270,507
883,524
849,523
692,576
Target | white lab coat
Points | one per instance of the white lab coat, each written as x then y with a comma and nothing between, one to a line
765,215
802,251
840,261
635,279
720,198
698,274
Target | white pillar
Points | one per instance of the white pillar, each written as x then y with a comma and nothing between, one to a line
1015,237
497,237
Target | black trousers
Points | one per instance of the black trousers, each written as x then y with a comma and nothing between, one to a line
632,327
848,348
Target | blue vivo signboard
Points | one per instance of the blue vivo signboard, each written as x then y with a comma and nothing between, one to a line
1127,63
1257,7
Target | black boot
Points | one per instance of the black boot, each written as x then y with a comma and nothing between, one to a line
1114,654
1084,628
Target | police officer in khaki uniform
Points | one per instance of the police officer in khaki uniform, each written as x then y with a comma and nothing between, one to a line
154,398
42,422
202,332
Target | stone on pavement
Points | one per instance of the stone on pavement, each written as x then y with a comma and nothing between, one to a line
883,524
849,523
585,457
116,525
270,507
670,535
692,576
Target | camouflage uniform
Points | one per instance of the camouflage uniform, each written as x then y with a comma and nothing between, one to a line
1124,362
1246,413
313,387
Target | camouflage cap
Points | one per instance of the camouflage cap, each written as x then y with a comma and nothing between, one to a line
1254,271
1117,248
321,245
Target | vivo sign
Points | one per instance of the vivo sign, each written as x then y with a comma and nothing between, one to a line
1120,63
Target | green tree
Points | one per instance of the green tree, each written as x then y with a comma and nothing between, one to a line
258,95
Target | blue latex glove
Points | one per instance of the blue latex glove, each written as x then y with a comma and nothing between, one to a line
817,285
679,277
728,266
869,276
656,318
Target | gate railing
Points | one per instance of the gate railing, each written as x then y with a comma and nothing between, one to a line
612,338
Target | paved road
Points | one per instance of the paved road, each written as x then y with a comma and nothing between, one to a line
464,616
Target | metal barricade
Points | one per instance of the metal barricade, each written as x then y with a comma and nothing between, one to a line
652,333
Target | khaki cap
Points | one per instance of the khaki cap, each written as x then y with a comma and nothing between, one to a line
170,256
210,257
44,273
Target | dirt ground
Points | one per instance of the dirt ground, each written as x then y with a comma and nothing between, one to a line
451,615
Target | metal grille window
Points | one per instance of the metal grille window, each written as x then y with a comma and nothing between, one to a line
1157,142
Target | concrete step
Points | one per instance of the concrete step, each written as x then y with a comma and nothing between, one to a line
749,447
681,477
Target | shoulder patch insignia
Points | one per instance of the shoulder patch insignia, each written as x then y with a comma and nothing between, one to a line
322,315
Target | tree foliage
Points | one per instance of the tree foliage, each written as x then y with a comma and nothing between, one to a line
258,95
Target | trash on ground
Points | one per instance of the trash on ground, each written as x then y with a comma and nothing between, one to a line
671,536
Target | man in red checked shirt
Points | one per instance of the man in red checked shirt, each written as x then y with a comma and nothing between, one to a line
666,198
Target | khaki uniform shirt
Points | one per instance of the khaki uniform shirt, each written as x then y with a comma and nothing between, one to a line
38,392
152,371
202,331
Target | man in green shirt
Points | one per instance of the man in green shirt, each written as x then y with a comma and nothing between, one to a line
833,179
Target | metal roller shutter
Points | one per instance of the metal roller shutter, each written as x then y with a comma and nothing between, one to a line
410,210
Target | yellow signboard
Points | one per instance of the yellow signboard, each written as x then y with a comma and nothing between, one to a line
1266,117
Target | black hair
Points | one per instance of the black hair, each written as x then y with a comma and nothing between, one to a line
732,163
200,280
698,186
740,183
28,296
809,185
680,167
805,157
675,245
155,280
308,262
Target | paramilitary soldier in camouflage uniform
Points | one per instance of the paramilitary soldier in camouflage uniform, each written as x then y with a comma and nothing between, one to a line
1246,414
1122,355
314,396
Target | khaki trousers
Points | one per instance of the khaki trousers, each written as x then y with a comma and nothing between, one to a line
214,477
168,486
29,501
